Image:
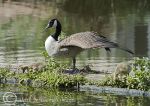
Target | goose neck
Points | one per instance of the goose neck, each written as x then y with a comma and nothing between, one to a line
57,33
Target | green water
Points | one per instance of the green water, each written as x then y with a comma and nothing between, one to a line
22,22
22,41
27,96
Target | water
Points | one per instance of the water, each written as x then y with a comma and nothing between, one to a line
27,96
21,41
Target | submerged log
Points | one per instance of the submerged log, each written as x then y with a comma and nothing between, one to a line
117,91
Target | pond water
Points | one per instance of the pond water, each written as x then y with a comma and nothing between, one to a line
21,23
27,96
21,41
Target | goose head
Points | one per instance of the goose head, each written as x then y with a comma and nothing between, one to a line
55,24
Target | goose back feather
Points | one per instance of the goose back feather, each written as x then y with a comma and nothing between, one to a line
87,40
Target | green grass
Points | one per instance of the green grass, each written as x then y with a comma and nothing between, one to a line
138,78
4,74
52,75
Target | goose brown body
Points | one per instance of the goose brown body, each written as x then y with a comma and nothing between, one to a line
87,40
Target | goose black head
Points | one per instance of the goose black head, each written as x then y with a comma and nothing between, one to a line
53,23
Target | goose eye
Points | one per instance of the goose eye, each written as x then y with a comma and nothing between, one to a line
50,24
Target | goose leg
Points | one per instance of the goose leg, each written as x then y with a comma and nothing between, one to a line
74,63
74,69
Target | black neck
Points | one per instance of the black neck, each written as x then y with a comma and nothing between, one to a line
57,32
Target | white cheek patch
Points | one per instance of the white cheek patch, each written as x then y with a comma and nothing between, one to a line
55,24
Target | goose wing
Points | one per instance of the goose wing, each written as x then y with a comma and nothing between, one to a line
86,40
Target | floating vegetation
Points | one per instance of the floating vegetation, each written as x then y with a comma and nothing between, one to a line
5,74
138,78
53,75
50,76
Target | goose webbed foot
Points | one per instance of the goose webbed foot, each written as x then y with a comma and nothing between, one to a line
72,71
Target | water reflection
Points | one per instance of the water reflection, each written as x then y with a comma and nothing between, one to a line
126,22
45,97
141,38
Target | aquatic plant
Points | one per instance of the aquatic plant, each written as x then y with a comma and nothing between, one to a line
52,75
5,73
138,78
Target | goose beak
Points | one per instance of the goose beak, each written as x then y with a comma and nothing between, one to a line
46,28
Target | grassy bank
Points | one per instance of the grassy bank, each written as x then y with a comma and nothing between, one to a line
52,75
137,78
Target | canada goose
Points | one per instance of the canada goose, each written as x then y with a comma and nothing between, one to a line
75,43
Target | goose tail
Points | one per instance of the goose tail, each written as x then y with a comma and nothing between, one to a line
126,49
115,45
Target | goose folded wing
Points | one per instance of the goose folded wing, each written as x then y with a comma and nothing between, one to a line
87,40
